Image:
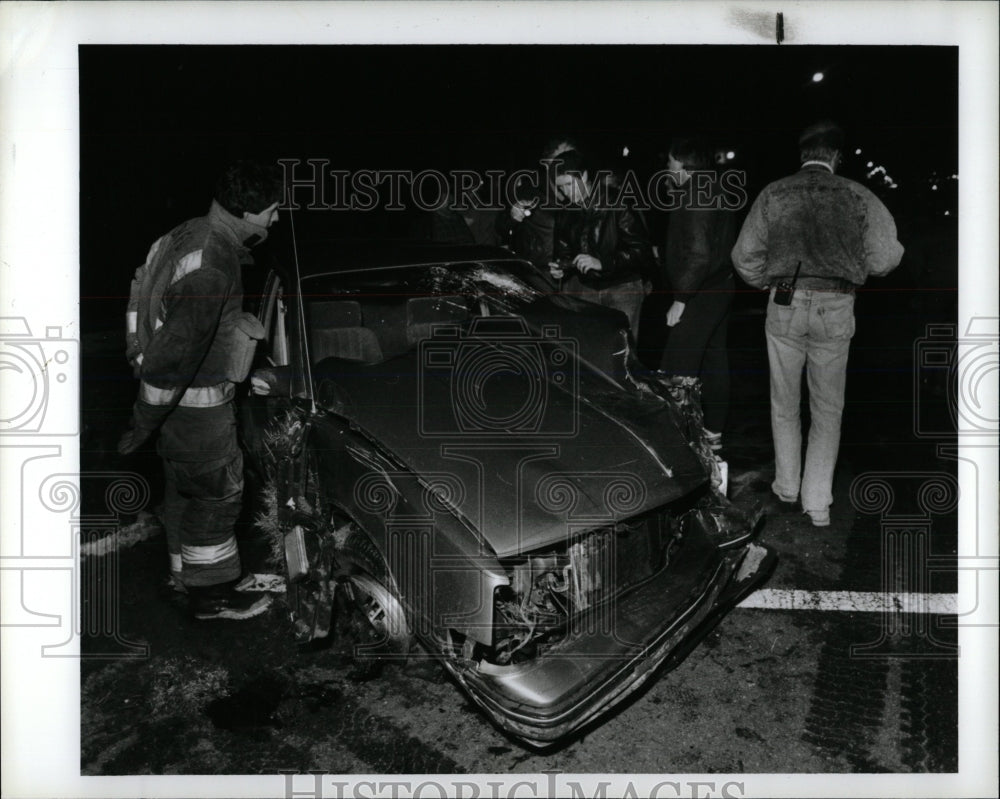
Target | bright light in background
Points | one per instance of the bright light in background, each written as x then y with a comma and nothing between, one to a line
625,152
870,164
730,155
947,213
934,187
817,77
858,151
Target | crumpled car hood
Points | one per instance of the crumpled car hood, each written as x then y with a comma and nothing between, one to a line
597,455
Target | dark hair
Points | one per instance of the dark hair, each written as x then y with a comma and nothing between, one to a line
563,144
249,186
693,153
570,162
821,141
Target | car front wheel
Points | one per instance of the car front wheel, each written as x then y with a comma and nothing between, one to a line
374,614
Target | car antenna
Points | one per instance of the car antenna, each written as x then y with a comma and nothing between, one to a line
302,312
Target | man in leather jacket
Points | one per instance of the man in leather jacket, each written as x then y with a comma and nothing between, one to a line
601,249
531,221
699,272
190,343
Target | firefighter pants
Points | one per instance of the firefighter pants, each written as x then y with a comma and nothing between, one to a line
203,467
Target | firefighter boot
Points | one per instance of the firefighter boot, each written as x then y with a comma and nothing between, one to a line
225,602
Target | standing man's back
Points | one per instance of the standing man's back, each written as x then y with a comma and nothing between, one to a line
822,236
829,223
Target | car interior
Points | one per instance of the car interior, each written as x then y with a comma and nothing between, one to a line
378,328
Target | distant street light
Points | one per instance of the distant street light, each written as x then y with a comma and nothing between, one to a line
858,151
817,77
730,155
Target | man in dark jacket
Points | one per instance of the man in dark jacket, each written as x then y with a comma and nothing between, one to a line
824,235
700,235
530,223
190,343
601,249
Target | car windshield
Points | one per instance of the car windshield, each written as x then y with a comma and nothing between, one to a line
376,314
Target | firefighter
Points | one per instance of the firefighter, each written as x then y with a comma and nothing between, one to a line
190,344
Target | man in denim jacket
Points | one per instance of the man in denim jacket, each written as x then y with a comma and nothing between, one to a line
840,233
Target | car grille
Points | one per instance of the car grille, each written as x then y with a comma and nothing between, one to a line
556,591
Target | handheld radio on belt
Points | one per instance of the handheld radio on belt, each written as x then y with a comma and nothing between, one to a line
784,290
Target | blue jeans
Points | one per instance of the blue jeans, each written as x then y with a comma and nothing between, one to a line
813,332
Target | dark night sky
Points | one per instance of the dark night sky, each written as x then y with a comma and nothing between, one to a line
157,121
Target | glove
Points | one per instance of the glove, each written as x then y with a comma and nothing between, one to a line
675,313
272,381
146,419
132,440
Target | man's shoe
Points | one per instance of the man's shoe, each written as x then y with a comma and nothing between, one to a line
224,602
246,582
820,518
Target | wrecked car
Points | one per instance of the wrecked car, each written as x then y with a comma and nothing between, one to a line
481,466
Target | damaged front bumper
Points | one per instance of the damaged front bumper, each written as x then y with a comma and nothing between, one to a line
614,648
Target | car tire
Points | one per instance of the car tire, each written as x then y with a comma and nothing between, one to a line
377,618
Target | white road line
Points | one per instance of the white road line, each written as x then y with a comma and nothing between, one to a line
851,601
144,528
764,599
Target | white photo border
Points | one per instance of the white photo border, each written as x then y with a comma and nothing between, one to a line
39,249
